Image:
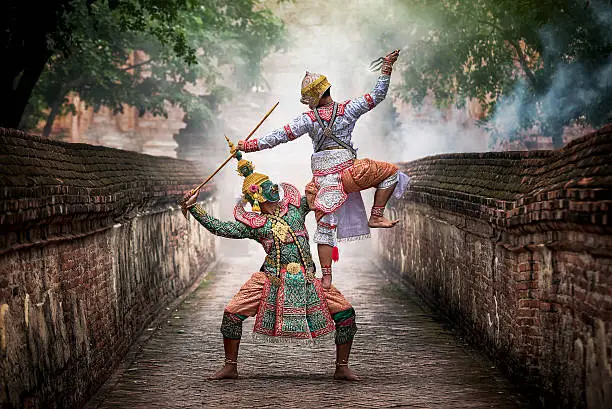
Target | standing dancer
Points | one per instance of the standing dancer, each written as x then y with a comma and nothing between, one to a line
338,176
287,300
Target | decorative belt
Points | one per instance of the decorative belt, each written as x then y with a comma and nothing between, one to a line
334,169
290,268
331,161
331,148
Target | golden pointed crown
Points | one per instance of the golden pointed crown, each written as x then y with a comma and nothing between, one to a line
313,87
245,169
251,186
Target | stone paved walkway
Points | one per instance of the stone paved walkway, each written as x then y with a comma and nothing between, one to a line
406,357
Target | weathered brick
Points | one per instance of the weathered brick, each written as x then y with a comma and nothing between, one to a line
526,321
526,312
528,303
545,306
90,274
532,265
522,286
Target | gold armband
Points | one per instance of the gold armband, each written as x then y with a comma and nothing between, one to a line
197,210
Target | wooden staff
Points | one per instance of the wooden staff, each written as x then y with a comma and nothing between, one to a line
232,155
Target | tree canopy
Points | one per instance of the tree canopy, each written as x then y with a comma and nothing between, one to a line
32,32
185,43
543,63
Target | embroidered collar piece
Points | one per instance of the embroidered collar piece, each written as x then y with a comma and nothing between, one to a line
256,220
325,112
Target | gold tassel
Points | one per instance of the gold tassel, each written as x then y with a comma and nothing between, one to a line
255,206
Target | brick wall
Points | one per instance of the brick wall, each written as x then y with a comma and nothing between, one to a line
92,246
516,249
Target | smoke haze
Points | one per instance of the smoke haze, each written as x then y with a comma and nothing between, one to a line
573,86
338,40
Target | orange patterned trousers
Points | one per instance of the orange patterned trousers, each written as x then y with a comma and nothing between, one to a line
362,174
246,301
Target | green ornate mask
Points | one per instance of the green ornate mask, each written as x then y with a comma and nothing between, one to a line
270,191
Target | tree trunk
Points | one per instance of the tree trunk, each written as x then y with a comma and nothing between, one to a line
524,65
7,116
16,90
55,109
26,29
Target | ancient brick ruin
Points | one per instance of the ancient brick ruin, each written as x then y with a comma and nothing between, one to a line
92,246
515,249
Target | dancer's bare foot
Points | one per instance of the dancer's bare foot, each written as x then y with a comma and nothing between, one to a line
229,371
344,373
381,222
326,281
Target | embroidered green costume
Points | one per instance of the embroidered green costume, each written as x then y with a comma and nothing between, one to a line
286,298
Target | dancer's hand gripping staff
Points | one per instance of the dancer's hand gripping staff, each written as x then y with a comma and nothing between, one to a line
191,197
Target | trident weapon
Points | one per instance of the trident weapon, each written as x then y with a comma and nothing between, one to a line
377,63
197,189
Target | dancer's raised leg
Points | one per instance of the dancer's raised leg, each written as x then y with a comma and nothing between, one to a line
377,218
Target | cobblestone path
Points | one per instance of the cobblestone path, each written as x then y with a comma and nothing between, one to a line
406,357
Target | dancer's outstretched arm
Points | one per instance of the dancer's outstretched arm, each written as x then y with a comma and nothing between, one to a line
359,106
291,131
231,230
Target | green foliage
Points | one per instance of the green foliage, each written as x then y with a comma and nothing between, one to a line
186,43
529,62
160,19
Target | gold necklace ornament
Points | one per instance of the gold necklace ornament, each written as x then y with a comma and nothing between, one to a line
276,219
280,231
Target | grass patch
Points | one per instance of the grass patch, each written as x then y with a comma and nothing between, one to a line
393,290
206,281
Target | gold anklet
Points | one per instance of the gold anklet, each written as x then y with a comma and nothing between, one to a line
230,362
341,363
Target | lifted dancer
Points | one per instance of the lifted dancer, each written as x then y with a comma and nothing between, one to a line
338,176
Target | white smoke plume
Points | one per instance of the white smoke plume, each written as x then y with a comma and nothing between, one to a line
573,86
